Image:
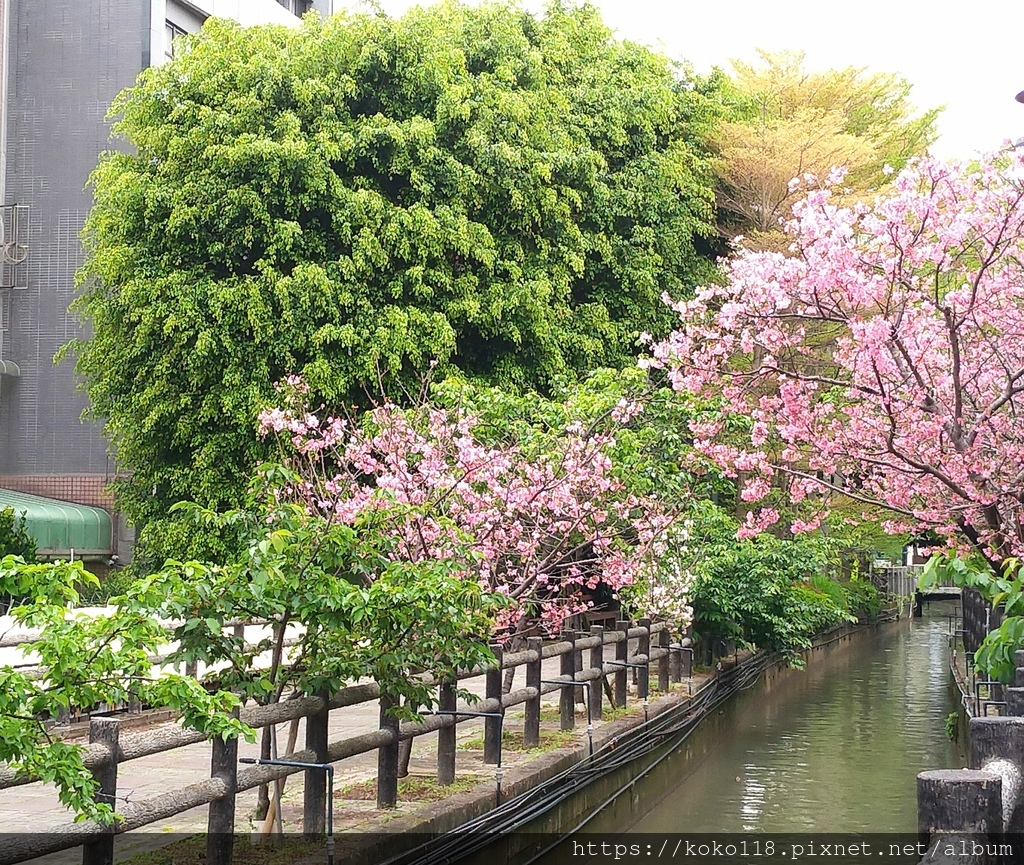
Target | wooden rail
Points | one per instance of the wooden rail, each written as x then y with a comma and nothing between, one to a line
108,749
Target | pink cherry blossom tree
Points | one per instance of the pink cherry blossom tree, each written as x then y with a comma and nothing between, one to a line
542,522
881,360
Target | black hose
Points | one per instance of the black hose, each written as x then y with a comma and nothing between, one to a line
515,813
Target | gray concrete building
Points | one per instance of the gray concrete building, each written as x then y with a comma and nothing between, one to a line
62,62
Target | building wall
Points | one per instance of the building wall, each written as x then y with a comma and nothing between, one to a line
84,489
4,6
68,60
184,15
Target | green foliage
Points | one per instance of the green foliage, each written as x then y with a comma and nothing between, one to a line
505,193
112,585
862,598
86,661
352,608
953,726
996,655
1000,586
997,587
14,538
829,588
858,598
763,591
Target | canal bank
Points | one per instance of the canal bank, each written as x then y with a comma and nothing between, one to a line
683,746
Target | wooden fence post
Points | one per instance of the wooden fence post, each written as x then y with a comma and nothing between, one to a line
663,677
220,829
492,726
675,663
577,665
314,782
621,655
387,756
531,723
104,731
446,735
597,663
567,696
643,679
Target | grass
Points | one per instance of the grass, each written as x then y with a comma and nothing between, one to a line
623,712
192,851
512,741
410,789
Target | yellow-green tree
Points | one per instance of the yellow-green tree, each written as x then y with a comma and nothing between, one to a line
788,122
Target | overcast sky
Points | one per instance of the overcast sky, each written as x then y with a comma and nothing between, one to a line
968,56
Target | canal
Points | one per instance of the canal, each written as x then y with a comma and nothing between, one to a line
835,748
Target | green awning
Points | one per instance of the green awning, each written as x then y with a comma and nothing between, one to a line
62,529
9,367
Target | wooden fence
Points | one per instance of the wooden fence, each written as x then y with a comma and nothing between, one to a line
899,581
108,749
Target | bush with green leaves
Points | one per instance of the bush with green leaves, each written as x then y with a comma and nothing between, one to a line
14,537
86,660
862,598
503,193
759,591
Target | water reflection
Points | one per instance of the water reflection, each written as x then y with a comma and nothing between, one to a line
835,749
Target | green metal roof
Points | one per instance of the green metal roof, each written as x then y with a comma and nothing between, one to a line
9,367
62,529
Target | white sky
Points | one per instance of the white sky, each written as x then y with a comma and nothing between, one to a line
968,56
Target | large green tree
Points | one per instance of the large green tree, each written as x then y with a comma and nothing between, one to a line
505,193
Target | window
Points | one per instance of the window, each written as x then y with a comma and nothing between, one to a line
296,7
171,32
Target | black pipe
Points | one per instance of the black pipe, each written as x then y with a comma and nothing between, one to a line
562,683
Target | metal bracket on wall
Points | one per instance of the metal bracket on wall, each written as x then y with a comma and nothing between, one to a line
14,228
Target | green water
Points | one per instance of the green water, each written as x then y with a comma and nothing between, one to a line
834,749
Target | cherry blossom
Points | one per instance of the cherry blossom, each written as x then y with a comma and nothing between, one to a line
540,527
882,359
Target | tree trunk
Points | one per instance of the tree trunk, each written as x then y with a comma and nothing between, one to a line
405,750
517,644
263,794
